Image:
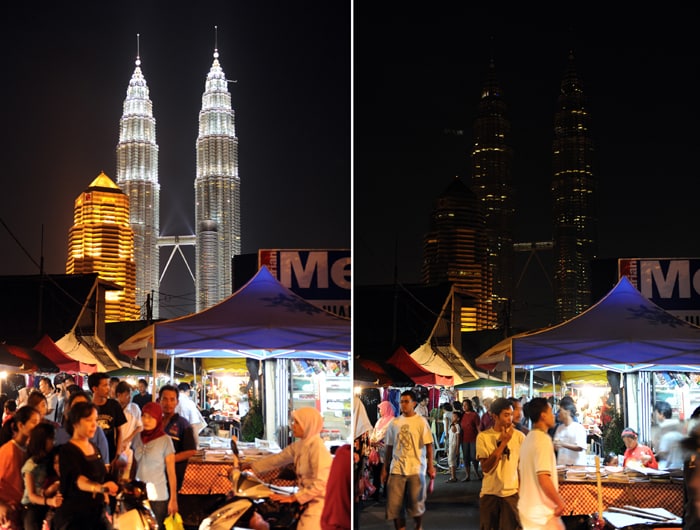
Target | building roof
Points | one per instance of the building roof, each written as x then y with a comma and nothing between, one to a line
36,305
388,316
54,305
103,181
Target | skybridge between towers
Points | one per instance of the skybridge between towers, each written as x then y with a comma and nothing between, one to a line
176,242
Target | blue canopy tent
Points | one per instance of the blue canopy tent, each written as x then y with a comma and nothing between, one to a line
624,332
262,320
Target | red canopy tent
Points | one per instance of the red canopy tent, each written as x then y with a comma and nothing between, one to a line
32,360
408,365
380,374
57,355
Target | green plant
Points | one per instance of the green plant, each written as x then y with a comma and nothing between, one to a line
612,426
252,425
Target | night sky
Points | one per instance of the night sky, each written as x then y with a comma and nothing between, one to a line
66,68
418,79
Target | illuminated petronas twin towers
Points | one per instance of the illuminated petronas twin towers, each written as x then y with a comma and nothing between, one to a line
217,190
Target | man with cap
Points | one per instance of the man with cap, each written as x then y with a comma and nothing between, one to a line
636,453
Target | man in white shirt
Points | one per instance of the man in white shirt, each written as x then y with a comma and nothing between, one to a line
46,388
187,409
133,424
540,506
666,437
409,455
570,438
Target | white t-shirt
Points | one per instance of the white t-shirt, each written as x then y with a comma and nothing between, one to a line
188,410
52,403
132,413
536,456
572,434
408,436
502,480
452,442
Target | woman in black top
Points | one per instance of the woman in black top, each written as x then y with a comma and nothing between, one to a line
84,483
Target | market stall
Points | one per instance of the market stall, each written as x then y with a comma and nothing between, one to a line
264,321
623,333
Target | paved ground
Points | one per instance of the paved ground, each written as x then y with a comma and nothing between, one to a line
451,506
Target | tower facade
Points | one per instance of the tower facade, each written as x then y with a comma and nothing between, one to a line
491,158
217,192
573,194
455,251
101,240
137,175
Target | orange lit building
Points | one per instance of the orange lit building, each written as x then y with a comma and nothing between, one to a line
101,240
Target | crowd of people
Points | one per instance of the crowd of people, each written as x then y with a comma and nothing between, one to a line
514,448
65,451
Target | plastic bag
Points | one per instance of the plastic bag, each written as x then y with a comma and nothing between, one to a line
173,522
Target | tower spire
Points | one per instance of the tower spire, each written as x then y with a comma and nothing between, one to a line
216,42
138,49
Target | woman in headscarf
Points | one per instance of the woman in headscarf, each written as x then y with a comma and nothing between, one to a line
154,456
312,464
376,444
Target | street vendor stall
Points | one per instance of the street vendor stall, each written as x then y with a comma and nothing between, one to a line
264,321
208,472
623,333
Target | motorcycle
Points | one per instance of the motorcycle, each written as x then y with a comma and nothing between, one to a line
249,494
133,511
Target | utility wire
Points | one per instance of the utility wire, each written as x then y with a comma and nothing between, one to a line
38,266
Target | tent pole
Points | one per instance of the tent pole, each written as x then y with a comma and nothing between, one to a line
194,382
155,373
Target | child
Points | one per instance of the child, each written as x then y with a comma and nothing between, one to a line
611,459
40,486
453,443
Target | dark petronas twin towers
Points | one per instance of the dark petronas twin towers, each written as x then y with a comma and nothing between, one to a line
217,190
471,238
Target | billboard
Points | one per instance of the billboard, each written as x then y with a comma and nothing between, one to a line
671,283
321,277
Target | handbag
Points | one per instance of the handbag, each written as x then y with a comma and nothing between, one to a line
173,522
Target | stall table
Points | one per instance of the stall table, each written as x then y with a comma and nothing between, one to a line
582,496
205,477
